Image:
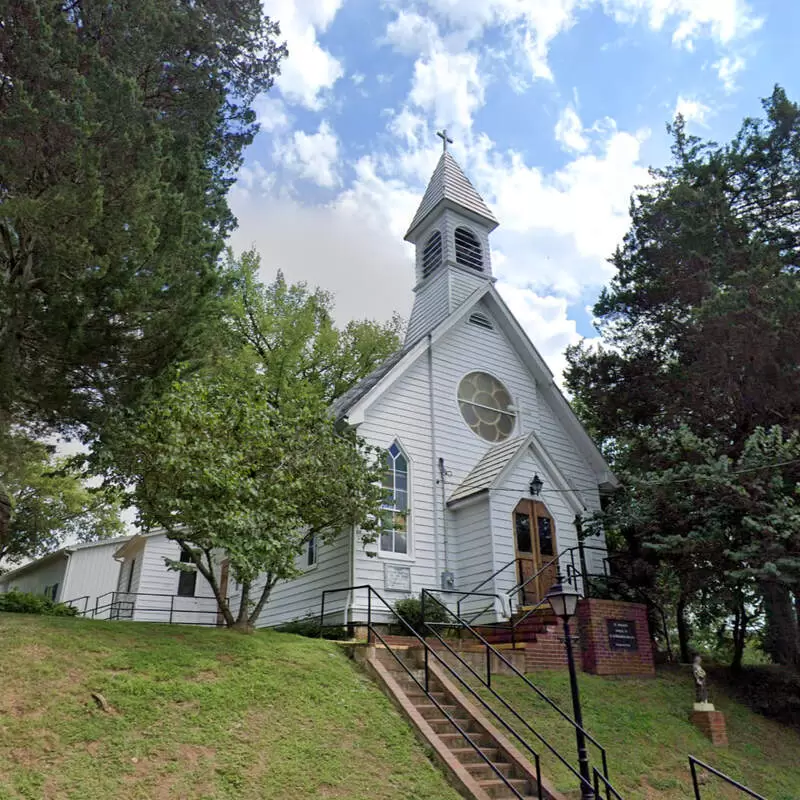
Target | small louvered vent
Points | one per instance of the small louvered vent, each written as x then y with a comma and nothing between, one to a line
481,320
432,254
468,249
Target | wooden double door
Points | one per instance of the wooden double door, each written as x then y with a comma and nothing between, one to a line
535,542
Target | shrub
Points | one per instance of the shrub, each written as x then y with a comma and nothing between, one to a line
26,603
773,691
410,610
309,626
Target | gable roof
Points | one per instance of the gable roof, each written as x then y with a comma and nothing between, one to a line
530,356
449,184
62,552
485,472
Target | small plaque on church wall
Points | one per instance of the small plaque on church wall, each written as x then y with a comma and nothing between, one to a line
396,578
622,635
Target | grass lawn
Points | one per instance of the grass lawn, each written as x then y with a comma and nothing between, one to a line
643,723
196,713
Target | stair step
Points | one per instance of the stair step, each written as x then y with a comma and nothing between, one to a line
467,755
482,771
443,725
431,711
455,741
499,788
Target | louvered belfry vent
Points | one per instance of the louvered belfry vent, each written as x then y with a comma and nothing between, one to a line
468,249
481,320
432,254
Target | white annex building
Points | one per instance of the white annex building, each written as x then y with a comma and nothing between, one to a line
487,466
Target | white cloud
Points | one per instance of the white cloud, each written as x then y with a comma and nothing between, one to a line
309,69
569,131
314,156
691,109
728,67
271,113
544,318
411,34
448,87
532,25
358,78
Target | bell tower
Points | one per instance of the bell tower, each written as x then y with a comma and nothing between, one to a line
451,234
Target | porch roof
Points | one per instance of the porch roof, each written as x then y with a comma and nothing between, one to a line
487,470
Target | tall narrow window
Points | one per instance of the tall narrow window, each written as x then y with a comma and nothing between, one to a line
312,551
432,254
468,249
187,581
131,568
394,510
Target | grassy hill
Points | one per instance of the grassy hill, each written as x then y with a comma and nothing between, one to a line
643,723
195,713
202,713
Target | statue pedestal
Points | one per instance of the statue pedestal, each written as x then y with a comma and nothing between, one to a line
710,722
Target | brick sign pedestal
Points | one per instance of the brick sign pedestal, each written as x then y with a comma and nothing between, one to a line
615,639
711,723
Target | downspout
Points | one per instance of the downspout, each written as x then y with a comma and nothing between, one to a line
433,455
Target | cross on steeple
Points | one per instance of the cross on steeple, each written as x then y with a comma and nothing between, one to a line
445,139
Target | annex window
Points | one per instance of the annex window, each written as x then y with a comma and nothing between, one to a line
486,407
311,552
468,249
131,568
187,581
394,509
432,254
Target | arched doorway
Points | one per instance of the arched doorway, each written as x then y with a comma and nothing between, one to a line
535,543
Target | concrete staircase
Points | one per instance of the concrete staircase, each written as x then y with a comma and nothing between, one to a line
474,770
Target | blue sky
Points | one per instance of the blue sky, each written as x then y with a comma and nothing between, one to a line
557,108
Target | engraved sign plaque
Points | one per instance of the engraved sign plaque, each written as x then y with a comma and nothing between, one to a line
396,578
622,635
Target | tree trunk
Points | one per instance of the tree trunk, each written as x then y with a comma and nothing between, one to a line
782,638
683,629
265,593
242,622
5,521
207,571
739,636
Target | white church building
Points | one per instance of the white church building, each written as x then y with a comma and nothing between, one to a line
469,415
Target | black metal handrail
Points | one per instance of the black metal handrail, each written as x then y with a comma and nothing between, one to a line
71,603
491,650
610,790
695,762
425,687
125,603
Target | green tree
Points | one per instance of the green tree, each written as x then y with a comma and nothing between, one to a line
700,330
123,125
48,502
244,457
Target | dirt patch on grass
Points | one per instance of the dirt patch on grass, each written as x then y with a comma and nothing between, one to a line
204,676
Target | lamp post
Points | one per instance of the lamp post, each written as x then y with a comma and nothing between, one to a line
536,485
563,600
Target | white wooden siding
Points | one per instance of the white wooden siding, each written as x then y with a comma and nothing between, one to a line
431,304
37,578
300,597
403,413
91,571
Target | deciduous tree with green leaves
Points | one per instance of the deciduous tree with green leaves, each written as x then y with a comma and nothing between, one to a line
48,502
244,457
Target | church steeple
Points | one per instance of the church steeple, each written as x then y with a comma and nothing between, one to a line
451,233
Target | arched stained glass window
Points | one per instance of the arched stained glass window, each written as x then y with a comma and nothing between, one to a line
432,254
468,249
394,509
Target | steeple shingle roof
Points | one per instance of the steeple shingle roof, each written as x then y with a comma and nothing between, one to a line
449,183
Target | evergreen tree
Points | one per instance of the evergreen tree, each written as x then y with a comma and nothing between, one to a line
701,332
